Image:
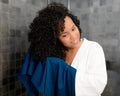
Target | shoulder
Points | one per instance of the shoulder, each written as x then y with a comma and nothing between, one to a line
92,47
93,44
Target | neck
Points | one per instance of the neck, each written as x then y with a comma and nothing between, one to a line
70,54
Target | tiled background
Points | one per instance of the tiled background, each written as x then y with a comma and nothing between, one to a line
100,21
15,17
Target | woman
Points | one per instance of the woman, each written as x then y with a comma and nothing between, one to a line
56,32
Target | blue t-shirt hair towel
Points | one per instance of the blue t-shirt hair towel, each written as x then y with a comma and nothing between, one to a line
52,77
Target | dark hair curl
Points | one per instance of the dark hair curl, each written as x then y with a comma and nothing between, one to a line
44,31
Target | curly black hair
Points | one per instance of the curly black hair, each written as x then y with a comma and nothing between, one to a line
44,31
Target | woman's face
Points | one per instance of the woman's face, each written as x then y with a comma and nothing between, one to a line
70,37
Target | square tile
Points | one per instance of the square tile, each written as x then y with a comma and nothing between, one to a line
5,1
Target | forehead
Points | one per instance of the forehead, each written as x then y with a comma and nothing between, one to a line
68,22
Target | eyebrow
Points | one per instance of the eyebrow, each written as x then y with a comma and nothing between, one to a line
62,33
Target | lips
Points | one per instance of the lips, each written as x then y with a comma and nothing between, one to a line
75,41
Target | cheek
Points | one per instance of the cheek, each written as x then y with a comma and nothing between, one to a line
78,33
64,41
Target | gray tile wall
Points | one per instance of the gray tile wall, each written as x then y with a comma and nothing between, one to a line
15,17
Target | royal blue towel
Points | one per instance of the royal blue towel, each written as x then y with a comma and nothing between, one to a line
52,77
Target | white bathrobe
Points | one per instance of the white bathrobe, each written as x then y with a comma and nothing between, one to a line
91,76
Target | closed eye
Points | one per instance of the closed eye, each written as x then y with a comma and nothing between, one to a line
73,28
64,35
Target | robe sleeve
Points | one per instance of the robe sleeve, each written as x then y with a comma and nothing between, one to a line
93,81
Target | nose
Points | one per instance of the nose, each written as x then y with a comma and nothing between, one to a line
72,36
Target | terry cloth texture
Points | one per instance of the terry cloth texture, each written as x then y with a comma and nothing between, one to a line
52,77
